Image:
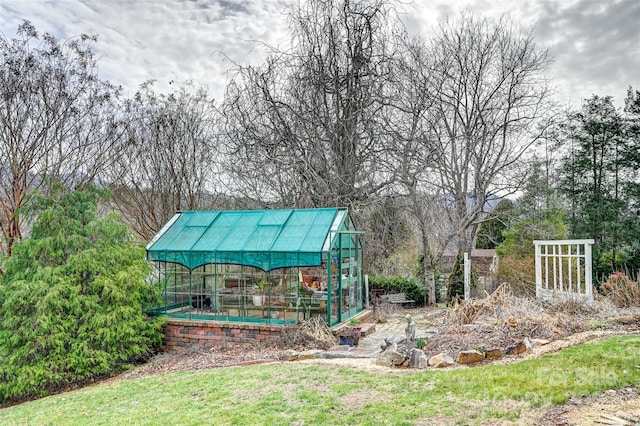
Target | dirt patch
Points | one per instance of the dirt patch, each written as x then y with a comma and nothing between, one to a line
615,407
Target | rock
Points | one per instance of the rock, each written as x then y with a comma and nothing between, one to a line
310,354
417,359
414,354
383,360
389,346
290,355
493,353
528,343
469,357
423,361
411,344
441,360
331,354
540,342
394,339
340,348
391,356
398,358
517,349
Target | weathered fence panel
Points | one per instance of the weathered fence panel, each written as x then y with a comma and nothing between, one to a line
563,267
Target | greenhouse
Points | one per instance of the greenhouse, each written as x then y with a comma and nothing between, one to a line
261,266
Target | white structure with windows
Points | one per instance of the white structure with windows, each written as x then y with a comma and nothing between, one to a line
563,267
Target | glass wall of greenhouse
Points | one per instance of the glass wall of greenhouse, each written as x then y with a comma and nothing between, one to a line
265,266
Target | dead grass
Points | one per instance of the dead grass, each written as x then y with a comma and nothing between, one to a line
502,320
623,292
501,304
311,334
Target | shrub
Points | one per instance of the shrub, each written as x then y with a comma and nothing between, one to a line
73,300
519,273
413,289
621,290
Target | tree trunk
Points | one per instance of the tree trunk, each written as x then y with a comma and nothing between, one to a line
429,271
430,284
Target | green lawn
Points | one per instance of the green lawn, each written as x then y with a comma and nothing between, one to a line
299,393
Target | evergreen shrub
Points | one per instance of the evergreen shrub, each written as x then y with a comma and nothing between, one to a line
72,300
396,284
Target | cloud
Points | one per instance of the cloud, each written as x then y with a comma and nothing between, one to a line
161,40
595,43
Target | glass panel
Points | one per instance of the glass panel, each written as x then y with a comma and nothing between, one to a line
242,293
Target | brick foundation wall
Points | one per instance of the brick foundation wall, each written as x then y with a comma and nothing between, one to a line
180,332
184,332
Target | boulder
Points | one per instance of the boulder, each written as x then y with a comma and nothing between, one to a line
493,353
390,347
394,339
309,354
409,345
391,357
469,357
517,349
398,358
384,361
290,355
441,360
528,343
417,359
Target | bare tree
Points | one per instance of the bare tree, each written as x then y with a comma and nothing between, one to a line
305,129
488,96
413,153
56,121
170,157
388,234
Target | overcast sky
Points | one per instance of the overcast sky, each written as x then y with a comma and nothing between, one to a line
595,43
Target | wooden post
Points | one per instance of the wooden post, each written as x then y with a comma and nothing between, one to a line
366,291
538,260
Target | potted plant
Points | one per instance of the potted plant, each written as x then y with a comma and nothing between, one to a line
346,337
356,330
258,299
351,334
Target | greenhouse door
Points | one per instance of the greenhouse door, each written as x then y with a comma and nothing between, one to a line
350,279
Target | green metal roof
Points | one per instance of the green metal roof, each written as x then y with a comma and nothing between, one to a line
266,239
